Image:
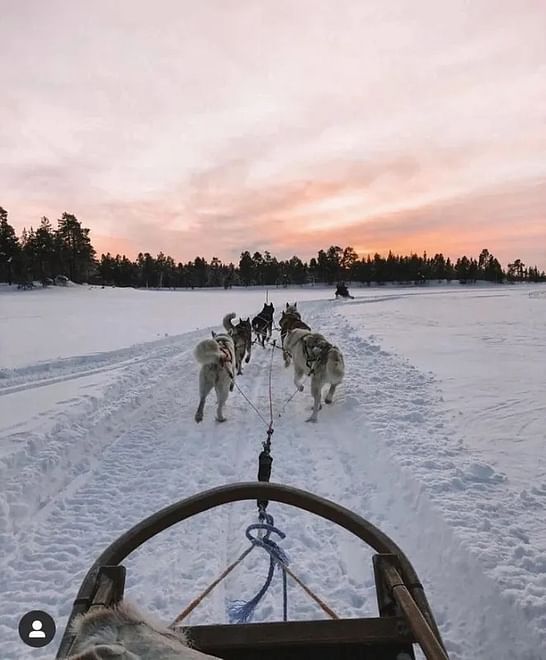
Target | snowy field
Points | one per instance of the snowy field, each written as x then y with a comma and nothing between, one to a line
437,436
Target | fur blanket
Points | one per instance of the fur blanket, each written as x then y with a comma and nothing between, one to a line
123,633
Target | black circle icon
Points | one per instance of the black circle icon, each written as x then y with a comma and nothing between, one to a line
36,628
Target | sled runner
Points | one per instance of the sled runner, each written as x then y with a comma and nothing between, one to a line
404,617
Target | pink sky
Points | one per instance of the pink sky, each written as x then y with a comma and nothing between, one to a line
208,128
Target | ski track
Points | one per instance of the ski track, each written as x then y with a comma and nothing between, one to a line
113,459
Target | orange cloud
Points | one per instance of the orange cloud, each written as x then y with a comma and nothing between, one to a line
419,126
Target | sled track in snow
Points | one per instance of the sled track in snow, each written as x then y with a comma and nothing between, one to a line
97,481
49,462
66,369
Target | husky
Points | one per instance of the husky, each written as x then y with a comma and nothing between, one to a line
262,324
217,359
292,309
123,633
242,338
290,320
314,356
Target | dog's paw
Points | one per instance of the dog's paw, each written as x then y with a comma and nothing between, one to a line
327,400
300,388
198,417
220,419
312,419
247,359
231,386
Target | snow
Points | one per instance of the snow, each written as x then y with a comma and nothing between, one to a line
436,436
59,322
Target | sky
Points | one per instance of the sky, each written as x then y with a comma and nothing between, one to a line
208,128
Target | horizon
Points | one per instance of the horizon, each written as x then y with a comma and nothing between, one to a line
168,128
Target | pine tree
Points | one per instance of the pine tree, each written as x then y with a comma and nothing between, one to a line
9,248
75,250
348,260
462,268
44,249
246,268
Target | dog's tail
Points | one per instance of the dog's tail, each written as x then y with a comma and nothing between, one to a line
226,322
208,352
335,366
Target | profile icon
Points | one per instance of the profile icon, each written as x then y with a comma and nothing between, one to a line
37,632
37,628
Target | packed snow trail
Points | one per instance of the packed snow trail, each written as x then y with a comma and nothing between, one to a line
116,456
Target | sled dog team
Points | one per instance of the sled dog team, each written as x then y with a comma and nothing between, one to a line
221,357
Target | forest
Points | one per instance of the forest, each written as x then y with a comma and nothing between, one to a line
44,253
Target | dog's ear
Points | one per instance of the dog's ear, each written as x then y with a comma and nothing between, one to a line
287,305
213,334
295,304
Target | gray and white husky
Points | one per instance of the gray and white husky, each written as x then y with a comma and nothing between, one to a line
314,356
217,359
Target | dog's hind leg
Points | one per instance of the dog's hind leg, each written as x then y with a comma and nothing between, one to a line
316,391
205,386
222,396
330,396
299,373
285,354
286,357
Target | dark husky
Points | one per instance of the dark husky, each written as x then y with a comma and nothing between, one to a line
290,320
262,324
242,338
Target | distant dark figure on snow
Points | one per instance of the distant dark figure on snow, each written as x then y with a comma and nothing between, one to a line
262,324
342,291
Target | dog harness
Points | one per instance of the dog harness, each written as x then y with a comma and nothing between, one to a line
312,360
226,359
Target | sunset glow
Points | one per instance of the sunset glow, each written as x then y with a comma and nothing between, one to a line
209,128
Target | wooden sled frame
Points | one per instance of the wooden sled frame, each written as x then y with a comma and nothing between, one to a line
404,618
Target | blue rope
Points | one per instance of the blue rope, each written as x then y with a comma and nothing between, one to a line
241,611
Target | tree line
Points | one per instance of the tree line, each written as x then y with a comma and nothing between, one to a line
43,253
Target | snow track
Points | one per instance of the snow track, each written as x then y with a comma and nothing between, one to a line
108,457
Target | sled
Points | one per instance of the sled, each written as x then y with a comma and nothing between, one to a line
343,292
404,619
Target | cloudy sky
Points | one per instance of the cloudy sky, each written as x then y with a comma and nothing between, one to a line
215,126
